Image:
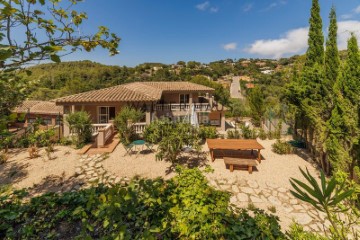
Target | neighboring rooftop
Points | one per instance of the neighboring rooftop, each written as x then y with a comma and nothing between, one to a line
134,92
39,107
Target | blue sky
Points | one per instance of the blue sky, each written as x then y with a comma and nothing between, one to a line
171,30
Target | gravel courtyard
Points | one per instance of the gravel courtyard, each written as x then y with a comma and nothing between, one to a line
267,187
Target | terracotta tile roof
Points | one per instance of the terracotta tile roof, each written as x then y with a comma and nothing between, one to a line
39,107
179,86
133,92
24,106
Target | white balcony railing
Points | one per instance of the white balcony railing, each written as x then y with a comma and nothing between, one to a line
103,133
98,126
139,127
183,107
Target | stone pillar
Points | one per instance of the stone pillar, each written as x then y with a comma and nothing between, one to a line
66,127
100,139
72,108
211,101
190,99
148,114
222,114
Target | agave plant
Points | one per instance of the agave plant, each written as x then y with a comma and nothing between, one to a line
326,197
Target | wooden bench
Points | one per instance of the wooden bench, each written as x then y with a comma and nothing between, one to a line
250,163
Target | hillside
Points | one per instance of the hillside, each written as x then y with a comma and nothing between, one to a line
56,80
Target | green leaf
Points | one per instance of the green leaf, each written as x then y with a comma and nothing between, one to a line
341,197
55,58
106,223
5,55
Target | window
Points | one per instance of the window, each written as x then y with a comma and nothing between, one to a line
31,120
106,114
47,121
184,98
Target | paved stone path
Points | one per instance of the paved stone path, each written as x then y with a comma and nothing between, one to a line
91,171
272,197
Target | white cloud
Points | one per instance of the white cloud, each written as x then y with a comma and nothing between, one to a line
294,41
357,9
274,5
203,6
346,16
345,28
214,9
248,7
230,46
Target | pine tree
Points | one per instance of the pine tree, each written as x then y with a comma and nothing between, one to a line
332,60
315,52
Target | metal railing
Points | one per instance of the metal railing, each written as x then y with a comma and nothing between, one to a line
183,106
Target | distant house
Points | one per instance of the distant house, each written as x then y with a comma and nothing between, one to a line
173,100
267,72
47,111
261,64
245,63
249,85
245,78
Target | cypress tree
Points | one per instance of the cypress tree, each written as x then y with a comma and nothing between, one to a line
344,131
315,52
332,60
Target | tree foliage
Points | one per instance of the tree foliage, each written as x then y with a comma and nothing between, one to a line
172,138
343,126
49,31
257,105
32,31
184,207
332,59
80,125
125,120
315,52
328,197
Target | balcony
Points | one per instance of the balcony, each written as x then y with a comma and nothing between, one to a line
103,133
199,107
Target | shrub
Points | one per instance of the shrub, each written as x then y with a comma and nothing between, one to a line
334,198
80,124
3,157
297,232
246,132
277,132
184,207
23,141
125,120
175,137
262,134
270,135
282,147
6,140
65,141
233,134
208,132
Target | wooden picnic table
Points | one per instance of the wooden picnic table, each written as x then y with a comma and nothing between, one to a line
234,144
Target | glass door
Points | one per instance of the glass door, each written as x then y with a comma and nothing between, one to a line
106,114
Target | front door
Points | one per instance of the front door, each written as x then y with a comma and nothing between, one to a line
106,114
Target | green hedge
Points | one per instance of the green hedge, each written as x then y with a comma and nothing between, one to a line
185,207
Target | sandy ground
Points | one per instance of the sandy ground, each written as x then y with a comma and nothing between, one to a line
276,169
21,171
